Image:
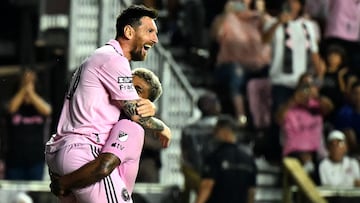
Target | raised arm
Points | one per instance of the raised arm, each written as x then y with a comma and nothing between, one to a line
16,101
269,33
39,103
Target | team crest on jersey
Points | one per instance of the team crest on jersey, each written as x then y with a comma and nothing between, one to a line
125,195
123,136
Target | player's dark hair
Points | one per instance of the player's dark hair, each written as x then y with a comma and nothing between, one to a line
131,16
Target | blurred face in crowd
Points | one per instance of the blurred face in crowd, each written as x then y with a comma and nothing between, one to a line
145,36
303,95
337,150
294,7
334,59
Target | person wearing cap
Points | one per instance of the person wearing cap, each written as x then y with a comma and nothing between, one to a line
229,173
338,169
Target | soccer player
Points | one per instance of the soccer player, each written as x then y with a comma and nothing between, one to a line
122,149
100,89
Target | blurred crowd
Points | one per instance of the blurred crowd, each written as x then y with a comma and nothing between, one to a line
267,63
288,72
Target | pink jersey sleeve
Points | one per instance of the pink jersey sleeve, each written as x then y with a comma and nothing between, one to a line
118,81
125,141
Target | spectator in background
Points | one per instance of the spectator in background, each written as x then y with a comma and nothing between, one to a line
27,122
229,174
238,33
301,123
348,119
294,51
337,169
196,142
318,11
343,29
333,78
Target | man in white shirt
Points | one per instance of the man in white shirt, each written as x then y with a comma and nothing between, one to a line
339,170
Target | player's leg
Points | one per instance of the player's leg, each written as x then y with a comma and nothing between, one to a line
110,189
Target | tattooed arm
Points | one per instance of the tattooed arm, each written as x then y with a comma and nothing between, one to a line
149,122
105,163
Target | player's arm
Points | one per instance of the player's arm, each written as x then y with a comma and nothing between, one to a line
86,175
148,123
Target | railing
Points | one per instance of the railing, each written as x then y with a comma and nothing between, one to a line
295,174
297,181
339,192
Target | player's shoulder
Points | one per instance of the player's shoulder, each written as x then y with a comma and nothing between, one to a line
128,126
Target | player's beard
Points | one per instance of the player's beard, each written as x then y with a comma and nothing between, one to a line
137,51
137,55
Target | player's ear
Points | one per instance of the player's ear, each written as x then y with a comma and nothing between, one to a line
129,31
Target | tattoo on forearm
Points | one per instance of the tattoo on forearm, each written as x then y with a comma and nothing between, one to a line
130,108
151,123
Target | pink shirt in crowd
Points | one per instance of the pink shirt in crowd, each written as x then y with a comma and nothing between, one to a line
302,131
343,20
88,109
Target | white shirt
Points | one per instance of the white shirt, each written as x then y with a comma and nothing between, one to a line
342,174
298,40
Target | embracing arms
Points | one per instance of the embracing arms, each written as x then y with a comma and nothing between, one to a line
105,163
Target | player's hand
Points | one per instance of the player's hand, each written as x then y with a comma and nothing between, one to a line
165,137
145,108
55,187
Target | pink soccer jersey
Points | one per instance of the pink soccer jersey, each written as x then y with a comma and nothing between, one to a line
111,189
126,141
103,77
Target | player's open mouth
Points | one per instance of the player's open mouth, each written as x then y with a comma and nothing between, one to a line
147,47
